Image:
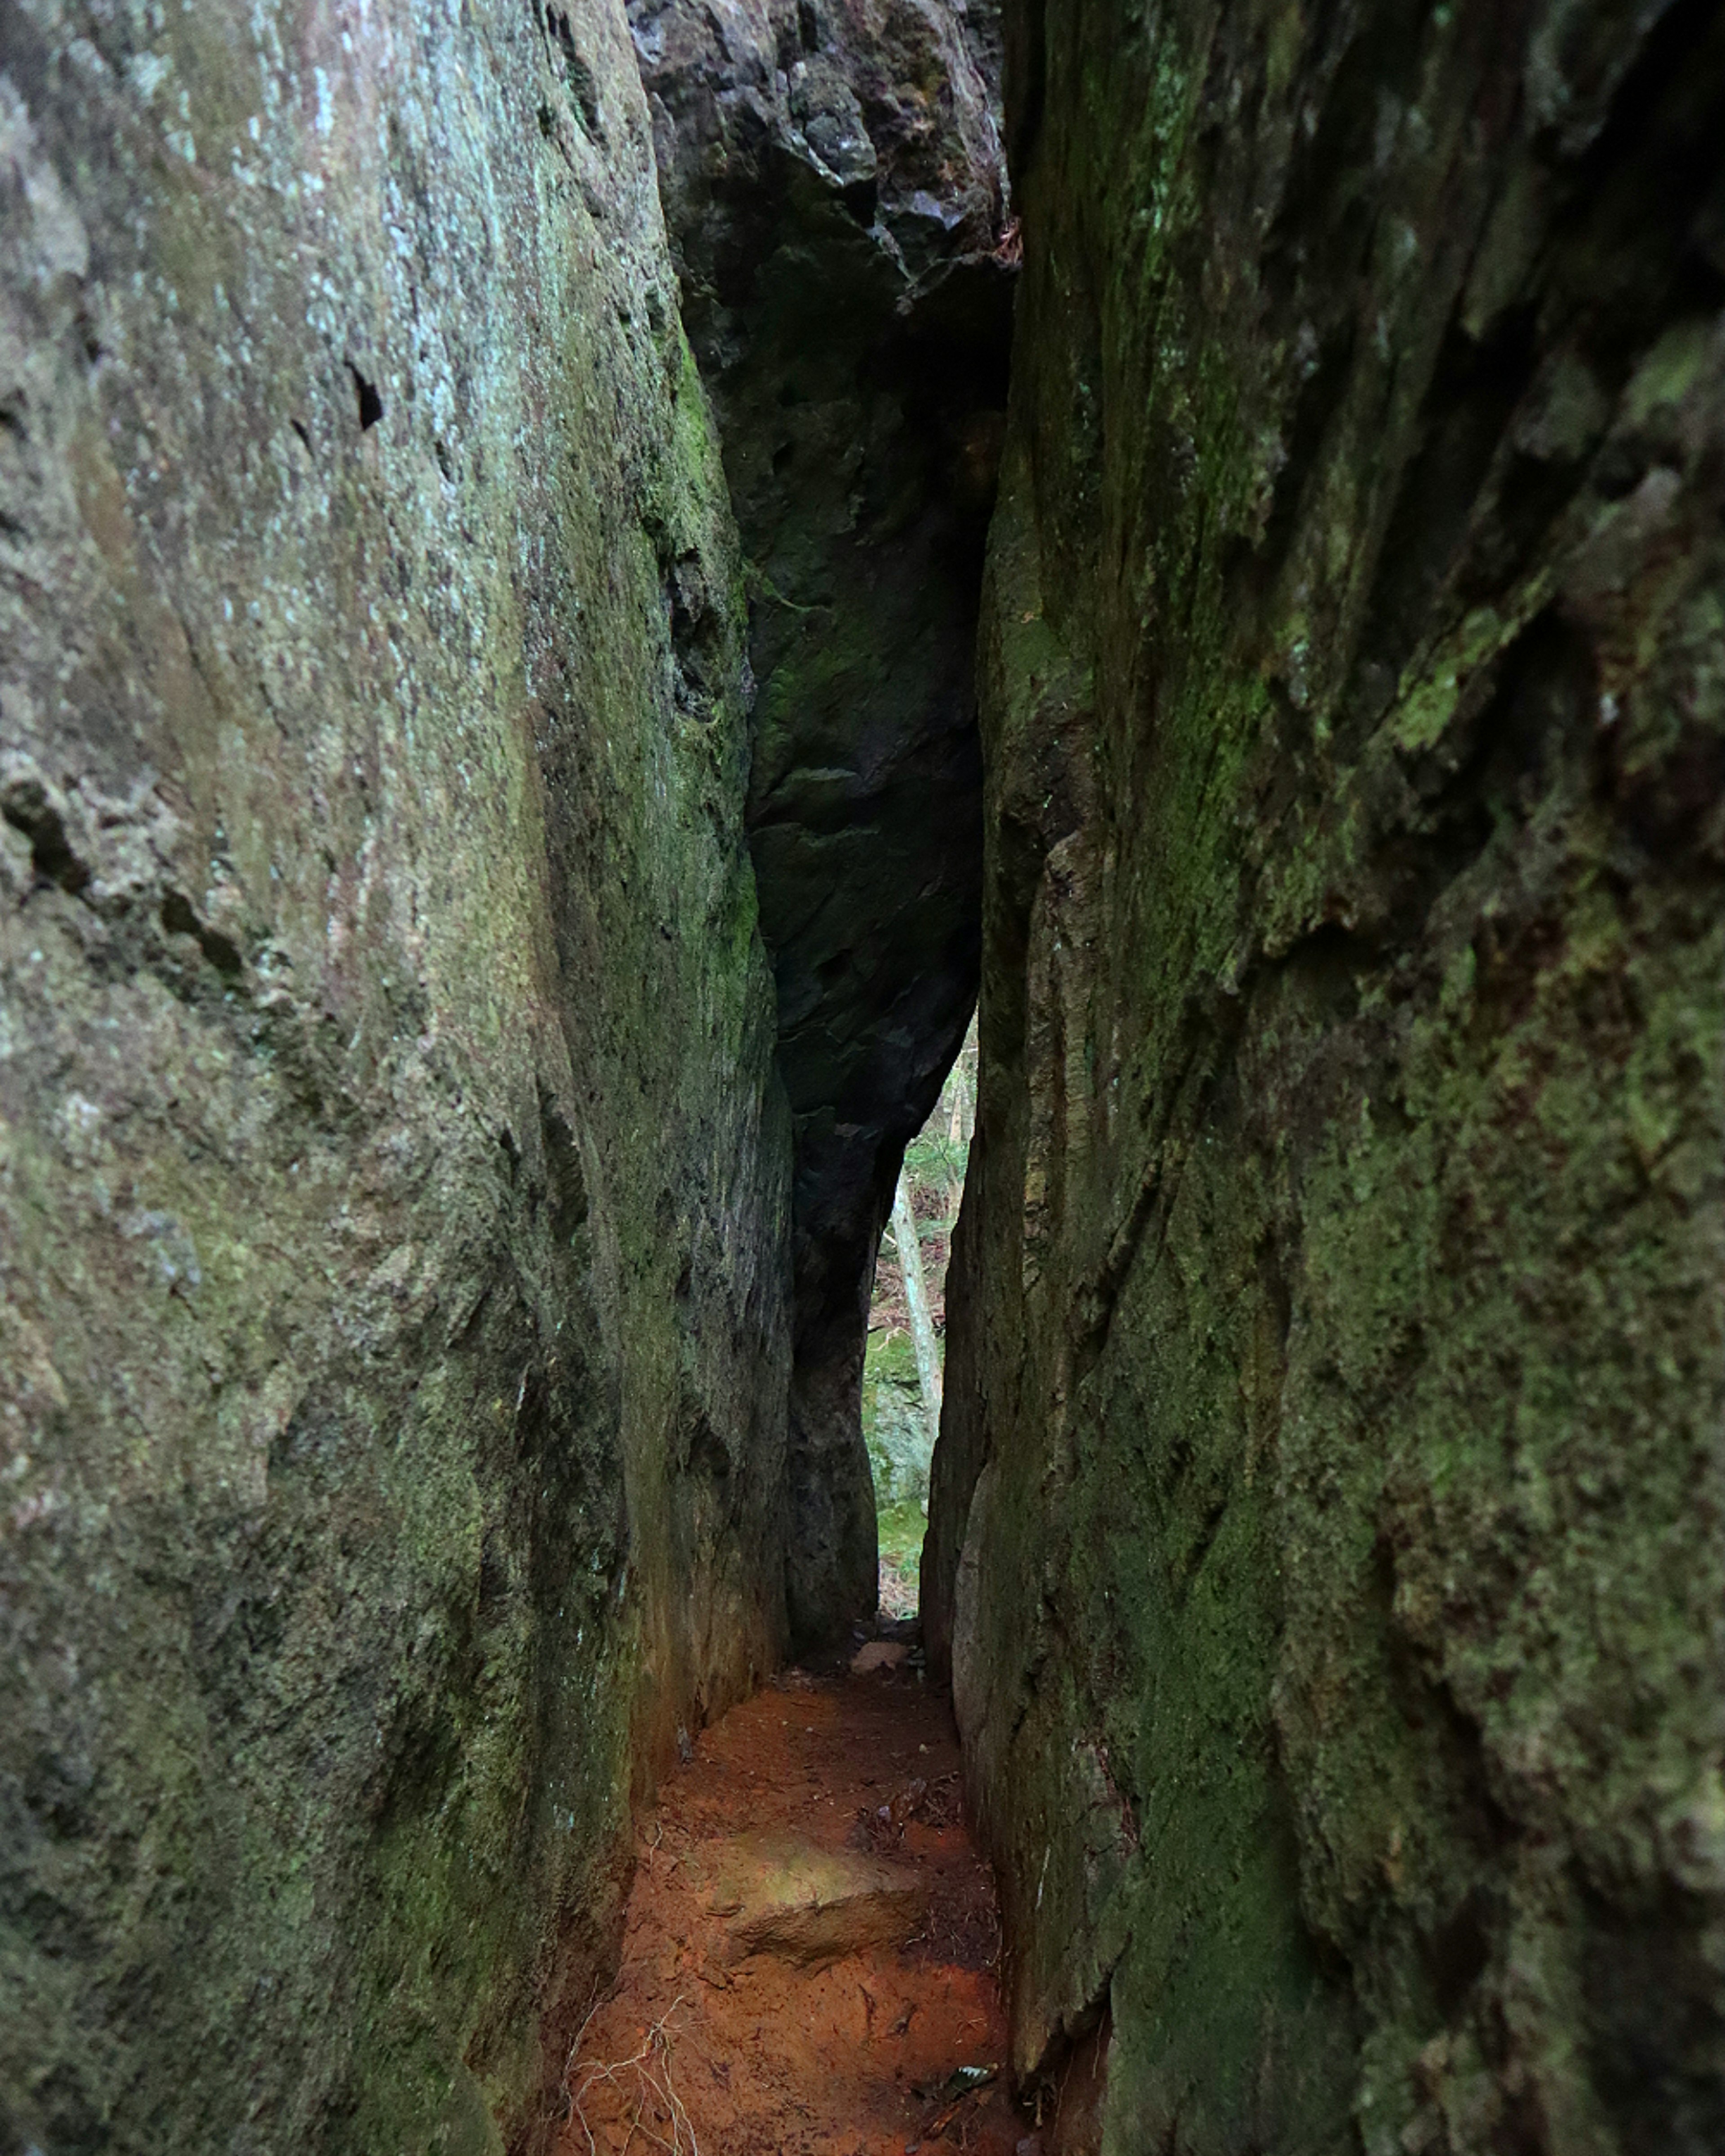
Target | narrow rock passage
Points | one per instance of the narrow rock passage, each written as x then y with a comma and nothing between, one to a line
809,1964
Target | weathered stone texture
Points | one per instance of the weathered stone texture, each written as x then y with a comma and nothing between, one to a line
834,189
393,1327
1328,1521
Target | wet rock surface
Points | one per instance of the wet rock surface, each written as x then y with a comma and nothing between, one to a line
394,1323
1325,1527
834,190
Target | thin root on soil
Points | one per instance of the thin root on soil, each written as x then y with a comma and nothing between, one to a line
651,2067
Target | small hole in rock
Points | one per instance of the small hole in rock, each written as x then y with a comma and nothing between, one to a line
861,200
177,916
371,404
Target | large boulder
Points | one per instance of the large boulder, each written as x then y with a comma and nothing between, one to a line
1326,1521
834,189
394,1320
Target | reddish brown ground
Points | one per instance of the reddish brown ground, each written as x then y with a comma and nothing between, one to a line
701,2054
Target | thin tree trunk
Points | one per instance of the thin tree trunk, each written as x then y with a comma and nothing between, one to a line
956,1136
910,1265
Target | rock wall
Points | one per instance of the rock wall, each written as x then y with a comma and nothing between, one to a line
393,1185
834,188
1327,1530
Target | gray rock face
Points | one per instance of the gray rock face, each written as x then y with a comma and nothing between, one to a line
1326,1520
394,1329
834,185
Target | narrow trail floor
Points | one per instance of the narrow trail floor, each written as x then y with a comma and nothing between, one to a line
808,1968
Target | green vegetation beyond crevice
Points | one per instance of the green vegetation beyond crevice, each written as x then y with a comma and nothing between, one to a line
899,1417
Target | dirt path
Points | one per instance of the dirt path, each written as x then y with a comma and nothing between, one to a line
808,1968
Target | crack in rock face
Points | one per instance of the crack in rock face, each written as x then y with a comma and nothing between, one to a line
833,178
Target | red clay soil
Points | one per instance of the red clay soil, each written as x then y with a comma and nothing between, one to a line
708,2048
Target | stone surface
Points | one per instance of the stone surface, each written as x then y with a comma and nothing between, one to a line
1326,1521
895,1426
779,1895
393,1188
879,1654
835,189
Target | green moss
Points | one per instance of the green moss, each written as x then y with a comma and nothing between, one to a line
1327,1384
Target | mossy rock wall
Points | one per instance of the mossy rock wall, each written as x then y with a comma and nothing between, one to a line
833,183
1326,1524
393,1189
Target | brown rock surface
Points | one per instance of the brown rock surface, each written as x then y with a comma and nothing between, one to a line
779,1895
834,190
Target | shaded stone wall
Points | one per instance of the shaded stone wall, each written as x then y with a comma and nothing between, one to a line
394,1327
834,188
1327,1527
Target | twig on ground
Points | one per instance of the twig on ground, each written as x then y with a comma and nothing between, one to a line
651,2067
592,2008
